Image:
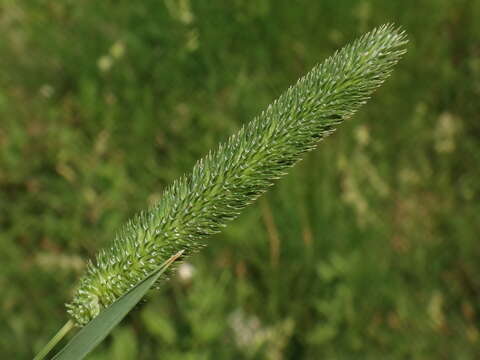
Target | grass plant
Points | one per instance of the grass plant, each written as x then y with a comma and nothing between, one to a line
235,174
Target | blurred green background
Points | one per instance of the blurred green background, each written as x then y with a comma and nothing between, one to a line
368,249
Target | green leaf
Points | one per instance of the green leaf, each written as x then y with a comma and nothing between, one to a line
98,329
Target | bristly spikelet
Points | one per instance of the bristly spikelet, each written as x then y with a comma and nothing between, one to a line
238,171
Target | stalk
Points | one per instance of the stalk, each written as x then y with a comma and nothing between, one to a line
55,340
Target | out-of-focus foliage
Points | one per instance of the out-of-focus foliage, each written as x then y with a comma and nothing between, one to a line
368,249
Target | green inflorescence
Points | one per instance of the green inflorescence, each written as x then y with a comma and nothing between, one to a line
239,170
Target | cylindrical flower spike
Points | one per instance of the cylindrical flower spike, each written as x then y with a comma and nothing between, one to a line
238,171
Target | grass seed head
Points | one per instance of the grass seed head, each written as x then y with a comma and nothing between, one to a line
241,169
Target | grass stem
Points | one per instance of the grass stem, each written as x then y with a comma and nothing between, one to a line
55,340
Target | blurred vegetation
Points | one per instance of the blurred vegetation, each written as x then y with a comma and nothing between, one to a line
368,249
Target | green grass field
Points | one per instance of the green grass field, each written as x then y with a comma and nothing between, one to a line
369,249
